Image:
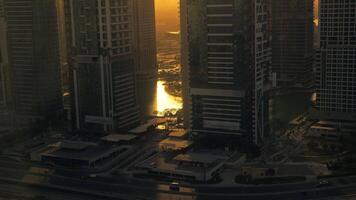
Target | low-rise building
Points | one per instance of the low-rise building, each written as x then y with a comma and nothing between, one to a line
326,132
120,139
174,144
191,166
178,133
331,130
78,154
150,124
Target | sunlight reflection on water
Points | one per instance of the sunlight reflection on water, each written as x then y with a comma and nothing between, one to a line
166,101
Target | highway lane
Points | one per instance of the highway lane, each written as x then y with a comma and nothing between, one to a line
19,191
342,197
126,181
37,178
176,196
154,190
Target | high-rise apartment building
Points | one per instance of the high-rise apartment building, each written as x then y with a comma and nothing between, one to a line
227,68
261,66
145,54
29,49
3,56
183,11
2,89
292,43
101,41
335,63
62,45
3,67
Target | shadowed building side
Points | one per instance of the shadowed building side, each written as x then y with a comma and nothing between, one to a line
145,55
101,40
185,61
228,66
292,43
3,57
33,75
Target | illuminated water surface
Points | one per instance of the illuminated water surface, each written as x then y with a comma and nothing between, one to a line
166,101
168,50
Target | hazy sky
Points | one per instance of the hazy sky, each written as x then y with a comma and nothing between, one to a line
167,16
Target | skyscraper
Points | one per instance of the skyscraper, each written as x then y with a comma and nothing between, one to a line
66,73
183,10
29,47
101,40
292,43
261,67
3,56
62,45
228,67
2,89
335,63
2,86
145,54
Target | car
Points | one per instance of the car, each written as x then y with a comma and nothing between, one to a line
323,183
174,186
92,176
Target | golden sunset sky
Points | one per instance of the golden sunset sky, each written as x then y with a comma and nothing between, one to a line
167,15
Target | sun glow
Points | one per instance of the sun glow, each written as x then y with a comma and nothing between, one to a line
167,15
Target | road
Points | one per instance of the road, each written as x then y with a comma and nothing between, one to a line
16,191
56,181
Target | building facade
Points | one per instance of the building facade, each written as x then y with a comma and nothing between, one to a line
335,63
3,56
261,67
228,67
62,45
30,59
145,60
292,43
101,38
183,10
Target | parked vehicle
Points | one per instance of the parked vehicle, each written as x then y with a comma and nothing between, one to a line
174,186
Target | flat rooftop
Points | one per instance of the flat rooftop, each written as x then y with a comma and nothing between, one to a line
72,145
163,162
178,133
143,128
199,158
90,153
175,143
119,137
140,129
318,127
